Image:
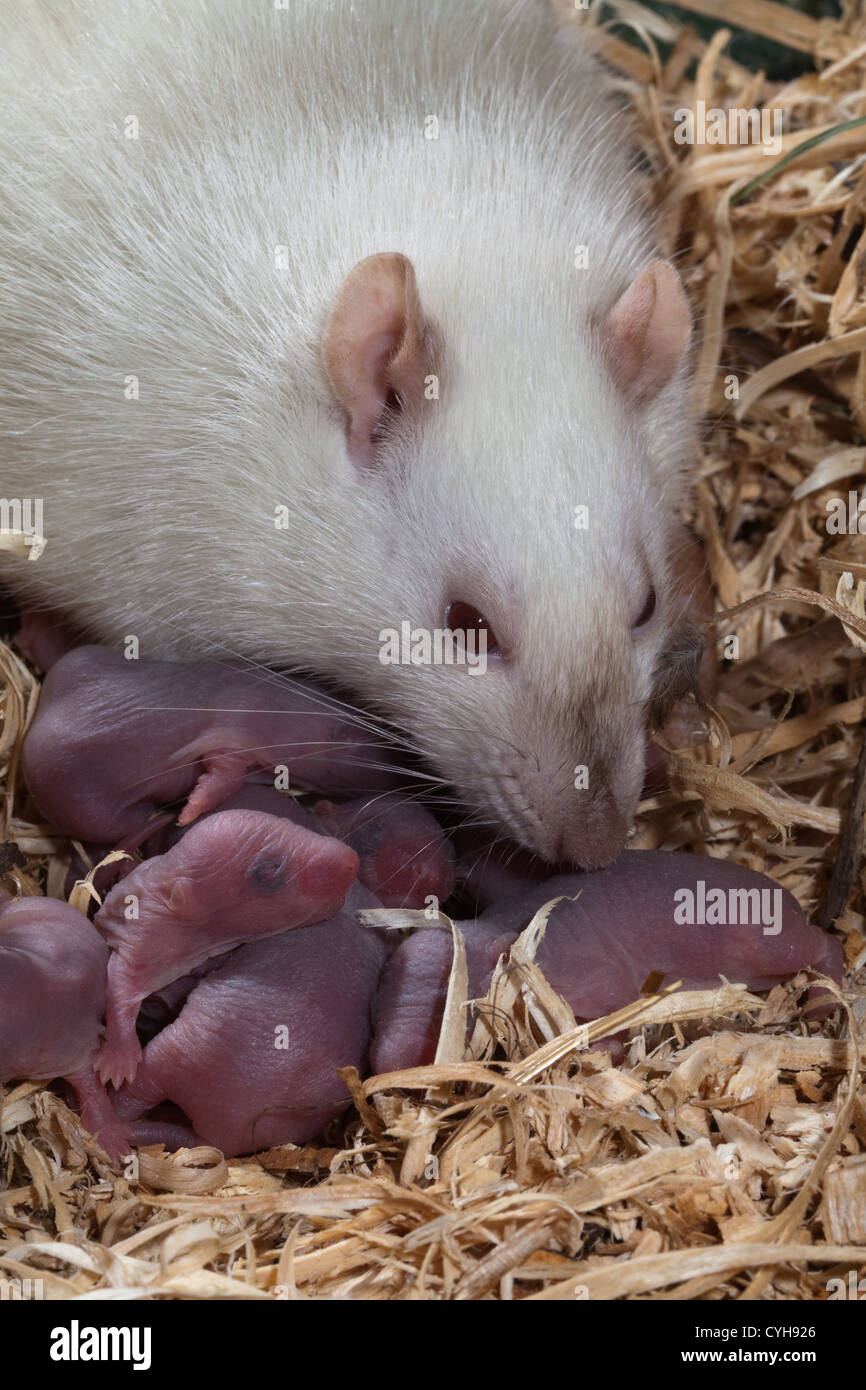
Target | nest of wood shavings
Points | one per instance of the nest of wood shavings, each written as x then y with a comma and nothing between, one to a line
725,1156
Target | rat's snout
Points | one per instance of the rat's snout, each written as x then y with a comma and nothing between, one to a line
592,838
583,829
571,811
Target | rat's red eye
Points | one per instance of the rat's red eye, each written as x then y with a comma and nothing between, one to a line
648,609
462,617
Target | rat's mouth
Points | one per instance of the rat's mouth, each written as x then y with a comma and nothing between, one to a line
576,829
590,846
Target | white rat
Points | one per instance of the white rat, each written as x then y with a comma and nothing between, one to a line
325,256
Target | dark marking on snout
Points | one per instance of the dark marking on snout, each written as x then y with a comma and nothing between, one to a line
267,873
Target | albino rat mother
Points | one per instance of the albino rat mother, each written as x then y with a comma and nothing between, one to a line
378,271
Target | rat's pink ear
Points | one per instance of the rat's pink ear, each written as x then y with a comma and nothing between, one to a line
373,345
647,331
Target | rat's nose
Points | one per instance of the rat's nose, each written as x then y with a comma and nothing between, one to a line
582,827
592,841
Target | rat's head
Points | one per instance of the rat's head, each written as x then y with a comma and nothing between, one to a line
528,505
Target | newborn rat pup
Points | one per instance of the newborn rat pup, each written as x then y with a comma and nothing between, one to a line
405,857
311,387
614,927
234,876
686,916
115,740
52,998
410,1000
404,854
252,1057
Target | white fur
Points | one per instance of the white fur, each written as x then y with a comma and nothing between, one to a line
304,128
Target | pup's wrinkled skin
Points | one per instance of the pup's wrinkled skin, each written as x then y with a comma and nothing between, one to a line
235,876
405,857
52,999
114,741
612,930
252,1057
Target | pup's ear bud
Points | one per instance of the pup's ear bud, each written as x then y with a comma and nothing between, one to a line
373,347
647,331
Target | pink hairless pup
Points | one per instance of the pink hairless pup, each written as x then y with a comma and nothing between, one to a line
52,997
234,876
405,857
113,741
683,915
253,1055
